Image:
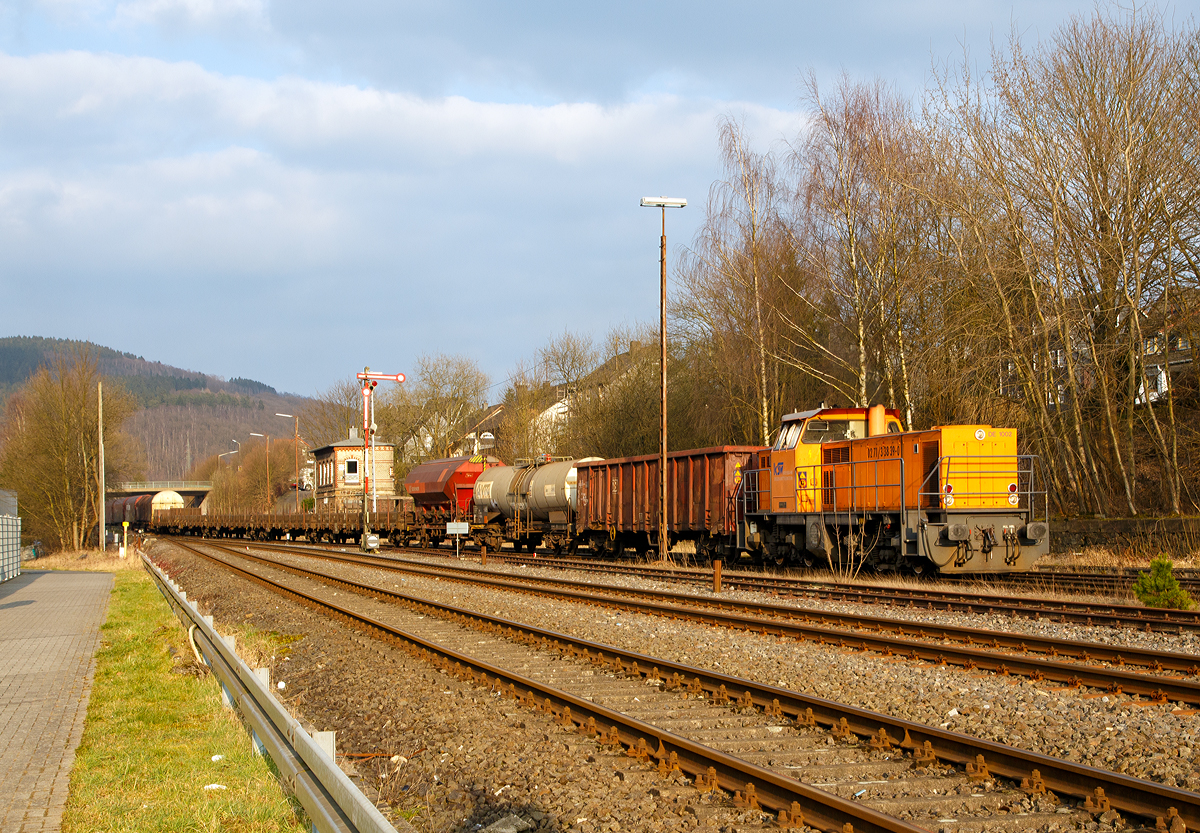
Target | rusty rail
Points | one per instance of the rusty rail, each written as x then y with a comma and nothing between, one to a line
1132,795
892,638
642,740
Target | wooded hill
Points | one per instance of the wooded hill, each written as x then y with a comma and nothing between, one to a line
183,416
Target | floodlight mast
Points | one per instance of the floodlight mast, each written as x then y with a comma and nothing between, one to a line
370,380
663,203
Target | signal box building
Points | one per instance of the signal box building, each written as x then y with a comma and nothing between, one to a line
340,468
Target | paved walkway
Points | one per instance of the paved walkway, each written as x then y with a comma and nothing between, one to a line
49,631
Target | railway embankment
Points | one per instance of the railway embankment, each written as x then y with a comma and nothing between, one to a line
1072,726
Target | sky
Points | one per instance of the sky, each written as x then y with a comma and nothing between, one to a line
289,191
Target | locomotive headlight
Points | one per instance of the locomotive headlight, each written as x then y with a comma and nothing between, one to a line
1013,500
948,500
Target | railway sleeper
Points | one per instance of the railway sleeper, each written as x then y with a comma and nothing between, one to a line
976,771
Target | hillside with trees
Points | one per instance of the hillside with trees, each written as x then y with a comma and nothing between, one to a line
178,417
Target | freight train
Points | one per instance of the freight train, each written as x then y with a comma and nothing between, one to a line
842,487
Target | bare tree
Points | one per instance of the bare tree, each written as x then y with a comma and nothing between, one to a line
428,414
330,415
49,452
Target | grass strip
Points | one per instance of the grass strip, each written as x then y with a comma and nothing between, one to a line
153,727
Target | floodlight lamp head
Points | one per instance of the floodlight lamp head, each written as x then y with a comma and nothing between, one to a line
663,202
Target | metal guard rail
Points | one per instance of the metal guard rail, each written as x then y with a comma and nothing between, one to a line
333,803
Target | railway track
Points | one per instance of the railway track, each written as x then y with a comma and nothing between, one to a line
1062,610
1065,662
853,760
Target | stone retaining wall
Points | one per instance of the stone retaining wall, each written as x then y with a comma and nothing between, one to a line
1176,536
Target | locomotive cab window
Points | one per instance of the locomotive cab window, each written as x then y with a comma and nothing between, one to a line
788,436
830,430
894,427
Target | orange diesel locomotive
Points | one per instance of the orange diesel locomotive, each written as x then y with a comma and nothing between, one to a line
851,487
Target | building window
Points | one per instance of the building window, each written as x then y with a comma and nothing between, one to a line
351,472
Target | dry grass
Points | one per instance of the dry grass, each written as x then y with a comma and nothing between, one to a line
90,560
1133,557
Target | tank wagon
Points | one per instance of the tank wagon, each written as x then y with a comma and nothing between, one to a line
528,505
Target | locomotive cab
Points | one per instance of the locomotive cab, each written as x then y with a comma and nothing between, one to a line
791,469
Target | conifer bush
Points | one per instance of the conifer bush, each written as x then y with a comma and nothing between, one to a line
1159,588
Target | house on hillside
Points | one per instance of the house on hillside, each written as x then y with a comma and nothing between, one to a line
547,408
1168,353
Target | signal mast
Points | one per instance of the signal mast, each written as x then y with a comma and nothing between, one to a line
369,381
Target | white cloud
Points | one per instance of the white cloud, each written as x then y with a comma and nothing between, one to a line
192,13
182,188
113,108
169,15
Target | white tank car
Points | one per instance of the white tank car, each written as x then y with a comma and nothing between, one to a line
536,491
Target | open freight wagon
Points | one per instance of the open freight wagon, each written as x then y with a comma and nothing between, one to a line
617,504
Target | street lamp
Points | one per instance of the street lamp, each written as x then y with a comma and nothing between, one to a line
662,203
297,445
267,437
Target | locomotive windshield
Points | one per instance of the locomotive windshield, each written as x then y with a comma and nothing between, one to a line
788,435
832,430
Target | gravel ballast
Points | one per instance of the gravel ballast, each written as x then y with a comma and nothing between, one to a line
1110,732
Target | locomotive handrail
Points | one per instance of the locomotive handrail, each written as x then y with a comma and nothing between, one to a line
853,486
823,506
1024,472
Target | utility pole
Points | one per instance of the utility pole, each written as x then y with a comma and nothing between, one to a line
100,472
662,203
296,440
